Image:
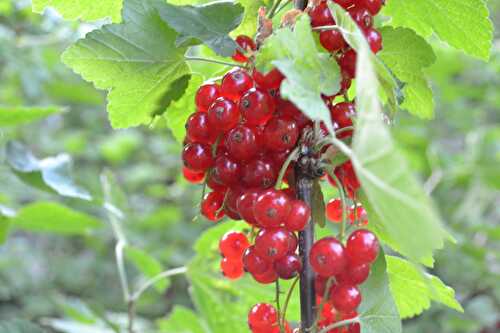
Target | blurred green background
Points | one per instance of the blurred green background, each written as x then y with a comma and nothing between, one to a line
73,277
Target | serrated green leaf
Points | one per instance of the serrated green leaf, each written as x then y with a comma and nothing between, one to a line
19,326
137,61
318,205
378,312
179,111
407,54
13,116
182,320
464,24
413,290
147,265
399,201
52,217
309,73
210,24
51,173
87,10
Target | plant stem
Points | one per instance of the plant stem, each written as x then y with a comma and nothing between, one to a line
273,9
213,61
301,4
278,305
326,27
149,283
339,324
287,299
293,156
343,199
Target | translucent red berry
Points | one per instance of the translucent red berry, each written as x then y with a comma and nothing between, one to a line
342,114
362,247
206,95
231,269
270,81
288,267
347,62
256,107
328,257
197,157
273,243
345,298
241,143
362,17
211,206
332,40
214,183
198,130
358,215
262,316
334,210
354,275
235,83
260,173
373,6
223,114
281,133
232,195
233,244
300,214
245,45
254,263
194,177
374,38
271,208
245,203
321,15
227,170
267,277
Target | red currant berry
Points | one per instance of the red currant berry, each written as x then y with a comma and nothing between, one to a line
332,40
262,316
227,171
345,298
298,217
194,177
256,107
346,3
374,38
230,208
358,214
272,244
260,173
246,44
231,269
211,206
206,95
287,108
362,247
320,284
198,130
293,242
321,15
269,81
347,62
214,183
281,133
223,114
354,275
328,257
342,114
235,83
254,263
288,267
233,244
197,157
373,6
362,17
271,208
245,204
267,277
334,210
241,143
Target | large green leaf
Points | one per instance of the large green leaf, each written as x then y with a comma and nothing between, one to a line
12,116
19,326
210,24
309,73
406,54
464,24
147,265
87,10
137,61
405,213
51,173
182,320
5,214
52,217
248,25
414,290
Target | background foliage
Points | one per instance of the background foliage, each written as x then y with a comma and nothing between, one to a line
62,161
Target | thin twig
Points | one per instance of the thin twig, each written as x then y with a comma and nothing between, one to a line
287,299
343,199
293,156
149,283
278,306
273,9
213,61
339,324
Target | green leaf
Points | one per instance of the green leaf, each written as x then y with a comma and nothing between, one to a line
51,173
309,73
179,111
404,212
19,326
13,116
414,290
378,312
488,156
407,54
210,24
87,10
147,265
182,320
137,61
248,25
318,205
464,24
51,217
5,214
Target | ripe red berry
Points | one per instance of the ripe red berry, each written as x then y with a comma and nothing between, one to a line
346,3
245,203
334,210
206,95
256,107
321,15
227,171
246,44
362,247
332,40
358,215
211,206
262,316
214,183
271,208
198,130
362,17
328,257
223,114
254,263
345,298
267,277
194,177
270,81
231,269
320,283
342,114
288,267
373,6
293,242
287,108
347,62
235,83
272,244
197,157
281,133
300,214
259,173
232,195
233,244
241,143
354,275
374,38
